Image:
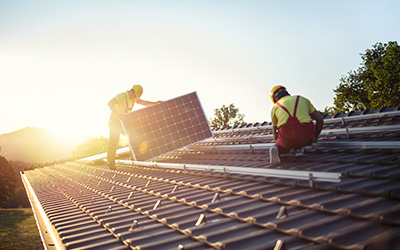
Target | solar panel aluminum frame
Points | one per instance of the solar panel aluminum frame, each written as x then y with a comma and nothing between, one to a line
177,123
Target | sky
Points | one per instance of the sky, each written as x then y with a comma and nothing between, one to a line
62,61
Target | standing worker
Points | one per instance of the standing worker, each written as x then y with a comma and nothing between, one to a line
292,123
120,105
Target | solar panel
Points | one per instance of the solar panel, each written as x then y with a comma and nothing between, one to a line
165,127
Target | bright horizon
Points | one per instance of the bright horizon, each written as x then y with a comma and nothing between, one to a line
61,62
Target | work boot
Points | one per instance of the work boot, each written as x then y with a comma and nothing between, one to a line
274,155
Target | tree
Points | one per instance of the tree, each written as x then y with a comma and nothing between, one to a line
227,116
375,84
94,145
7,181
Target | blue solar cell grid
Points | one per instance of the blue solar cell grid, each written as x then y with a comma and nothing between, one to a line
162,128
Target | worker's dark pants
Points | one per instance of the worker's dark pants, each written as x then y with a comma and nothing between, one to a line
115,131
295,136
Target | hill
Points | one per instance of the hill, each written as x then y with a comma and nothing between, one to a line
34,145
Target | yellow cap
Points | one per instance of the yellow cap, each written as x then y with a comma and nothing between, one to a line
273,91
138,90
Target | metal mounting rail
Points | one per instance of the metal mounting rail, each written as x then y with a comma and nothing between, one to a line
328,120
363,116
360,130
323,132
291,174
347,144
360,144
326,144
231,147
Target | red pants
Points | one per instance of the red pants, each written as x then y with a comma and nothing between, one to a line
295,136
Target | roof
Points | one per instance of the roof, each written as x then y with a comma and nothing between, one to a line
222,193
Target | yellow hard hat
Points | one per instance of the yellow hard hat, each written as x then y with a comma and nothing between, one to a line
138,90
275,89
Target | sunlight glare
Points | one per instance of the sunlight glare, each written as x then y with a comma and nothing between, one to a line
68,137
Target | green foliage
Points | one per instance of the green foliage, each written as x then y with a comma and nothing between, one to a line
328,111
7,181
20,199
94,145
18,230
375,84
227,116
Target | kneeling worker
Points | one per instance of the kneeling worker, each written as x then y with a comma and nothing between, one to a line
120,105
292,123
